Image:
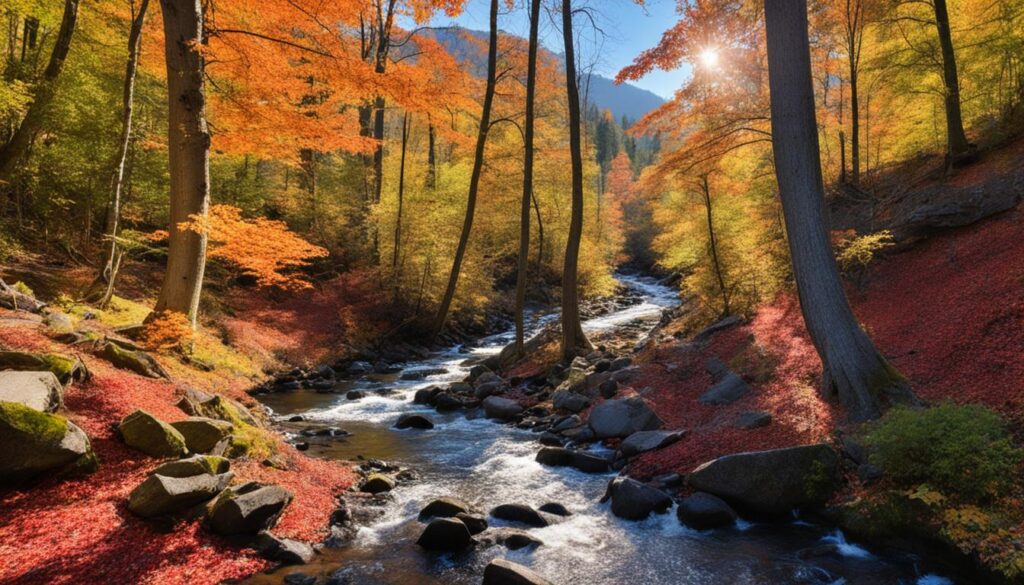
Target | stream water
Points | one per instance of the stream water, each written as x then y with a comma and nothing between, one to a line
487,464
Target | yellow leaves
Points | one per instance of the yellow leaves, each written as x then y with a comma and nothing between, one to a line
926,494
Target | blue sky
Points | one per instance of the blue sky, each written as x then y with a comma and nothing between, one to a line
628,30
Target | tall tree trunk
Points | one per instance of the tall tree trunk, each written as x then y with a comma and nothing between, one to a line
12,152
378,152
431,157
401,201
854,42
853,368
474,179
112,260
713,243
188,141
956,141
524,208
573,338
540,231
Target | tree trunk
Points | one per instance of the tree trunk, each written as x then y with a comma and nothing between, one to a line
378,152
573,338
524,208
853,369
112,260
401,200
431,158
12,152
474,180
713,242
956,141
540,231
854,38
188,141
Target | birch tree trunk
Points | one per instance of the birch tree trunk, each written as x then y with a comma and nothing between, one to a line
188,141
853,368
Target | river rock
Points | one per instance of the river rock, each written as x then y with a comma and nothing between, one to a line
377,483
160,495
426,395
556,509
561,457
549,439
501,408
476,371
619,363
633,500
283,550
413,421
247,509
202,434
445,402
194,465
355,395
359,368
622,417
771,482
444,507
753,420
511,538
476,523
703,511
520,513
40,391
445,534
489,389
502,572
643,441
608,389
36,443
569,401
566,423
487,378
143,431
730,389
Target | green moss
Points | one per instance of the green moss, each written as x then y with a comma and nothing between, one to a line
23,289
49,428
247,439
64,367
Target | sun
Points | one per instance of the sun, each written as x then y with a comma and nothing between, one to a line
709,58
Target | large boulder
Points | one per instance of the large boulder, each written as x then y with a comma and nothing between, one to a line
413,421
622,417
136,361
65,368
194,465
771,482
501,408
38,390
201,433
633,500
247,509
143,431
444,508
520,513
33,443
445,534
377,483
161,495
730,389
569,401
581,460
502,572
643,441
704,511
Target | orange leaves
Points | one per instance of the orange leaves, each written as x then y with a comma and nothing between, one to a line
262,248
167,331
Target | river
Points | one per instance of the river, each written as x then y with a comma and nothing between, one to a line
487,464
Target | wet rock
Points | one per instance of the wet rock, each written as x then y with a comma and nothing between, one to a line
283,550
579,434
476,523
160,495
359,368
299,579
460,388
520,513
771,482
426,395
444,508
566,423
569,401
489,389
561,457
487,378
302,446
296,418
502,572
602,365
703,511
511,538
445,534
445,402
730,389
40,391
36,443
556,509
643,441
622,417
202,434
550,439
476,371
753,420
633,500
501,408
377,483
413,421
143,431
194,465
247,509
355,395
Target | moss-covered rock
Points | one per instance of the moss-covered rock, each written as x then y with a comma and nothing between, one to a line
194,465
161,495
34,442
139,362
143,431
65,368
38,390
202,434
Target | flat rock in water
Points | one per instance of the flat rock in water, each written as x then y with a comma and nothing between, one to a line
730,389
413,421
445,534
40,391
561,457
633,500
703,511
476,523
511,538
643,441
520,513
771,482
502,572
377,483
444,508
622,417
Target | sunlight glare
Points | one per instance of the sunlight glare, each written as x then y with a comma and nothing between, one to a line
709,58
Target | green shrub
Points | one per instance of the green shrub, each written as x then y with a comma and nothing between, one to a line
962,451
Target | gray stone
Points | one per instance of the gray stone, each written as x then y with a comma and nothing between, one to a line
620,363
633,500
489,389
501,408
513,538
569,401
377,483
36,443
161,495
445,534
136,361
476,523
487,378
284,550
642,441
247,509
561,457
753,420
520,513
622,417
66,368
444,508
771,482
703,511
608,389
556,509
413,421
41,391
569,422
445,402
143,431
502,572
201,433
194,465
730,389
